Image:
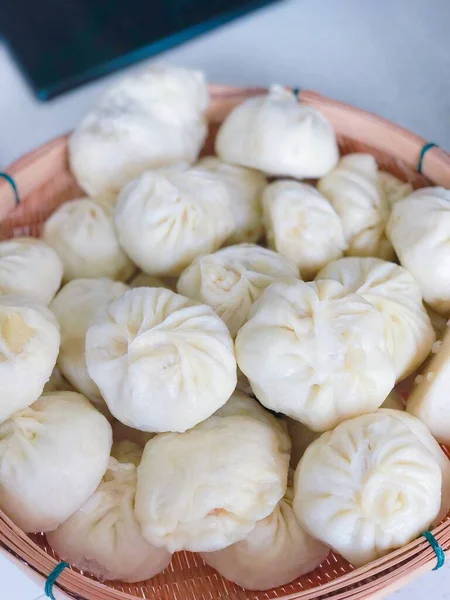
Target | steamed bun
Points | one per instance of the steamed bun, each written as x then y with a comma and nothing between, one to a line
103,536
221,477
83,234
429,397
354,190
302,225
394,189
29,268
371,485
29,344
278,135
165,220
419,229
75,306
231,279
246,186
161,361
276,551
301,436
147,120
315,353
52,457
393,291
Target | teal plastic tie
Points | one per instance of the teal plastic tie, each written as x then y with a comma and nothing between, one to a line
51,579
440,554
422,154
12,183
296,92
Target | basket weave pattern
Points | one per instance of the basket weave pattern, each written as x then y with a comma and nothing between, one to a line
44,181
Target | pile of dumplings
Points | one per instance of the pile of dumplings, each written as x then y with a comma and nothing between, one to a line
217,372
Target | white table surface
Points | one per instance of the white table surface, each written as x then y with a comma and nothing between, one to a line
391,57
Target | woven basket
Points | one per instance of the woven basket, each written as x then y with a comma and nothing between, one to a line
44,181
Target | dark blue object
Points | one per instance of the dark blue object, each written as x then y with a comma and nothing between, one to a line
60,45
13,185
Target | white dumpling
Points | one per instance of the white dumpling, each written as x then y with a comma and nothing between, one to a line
231,279
149,119
301,436
394,189
103,536
302,225
29,268
278,135
29,344
83,234
221,477
246,187
315,353
75,306
394,292
165,220
276,551
354,190
419,229
161,361
371,485
429,397
52,457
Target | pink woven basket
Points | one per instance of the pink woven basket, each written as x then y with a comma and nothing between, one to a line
44,181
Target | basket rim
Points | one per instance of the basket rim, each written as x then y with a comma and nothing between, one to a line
436,164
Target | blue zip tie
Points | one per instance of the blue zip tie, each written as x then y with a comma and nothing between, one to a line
12,183
296,92
422,154
51,579
440,554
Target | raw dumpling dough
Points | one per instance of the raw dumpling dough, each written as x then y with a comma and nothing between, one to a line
302,225
354,190
279,136
52,457
165,220
429,398
75,306
315,353
419,229
29,344
29,268
161,361
301,436
150,119
371,485
221,477
83,234
276,551
103,536
394,292
231,279
246,187
394,189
